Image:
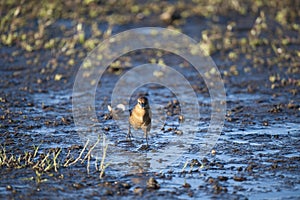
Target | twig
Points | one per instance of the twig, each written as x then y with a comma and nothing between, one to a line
102,167
184,166
54,159
88,164
87,142
91,149
67,162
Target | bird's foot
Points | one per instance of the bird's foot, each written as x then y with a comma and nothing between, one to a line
129,136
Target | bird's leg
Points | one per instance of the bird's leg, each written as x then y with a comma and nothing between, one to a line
163,127
129,132
146,136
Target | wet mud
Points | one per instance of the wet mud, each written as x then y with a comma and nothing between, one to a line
256,49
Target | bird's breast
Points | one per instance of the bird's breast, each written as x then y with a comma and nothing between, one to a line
139,118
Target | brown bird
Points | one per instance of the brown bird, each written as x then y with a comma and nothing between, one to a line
140,117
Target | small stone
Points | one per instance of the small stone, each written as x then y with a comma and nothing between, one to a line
195,162
210,180
239,178
181,118
152,184
140,16
186,185
265,123
240,169
9,187
77,185
250,89
178,132
126,185
167,16
223,178
292,106
109,193
175,101
138,190
205,160
57,77
219,188
213,152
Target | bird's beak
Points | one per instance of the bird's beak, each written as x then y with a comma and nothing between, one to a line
143,105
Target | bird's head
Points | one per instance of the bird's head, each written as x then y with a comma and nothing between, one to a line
143,102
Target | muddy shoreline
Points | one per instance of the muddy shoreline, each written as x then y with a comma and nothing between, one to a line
255,47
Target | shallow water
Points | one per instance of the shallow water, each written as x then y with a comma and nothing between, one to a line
236,150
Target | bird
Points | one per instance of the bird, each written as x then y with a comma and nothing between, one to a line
140,117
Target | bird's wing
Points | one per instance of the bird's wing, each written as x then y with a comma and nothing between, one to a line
130,112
